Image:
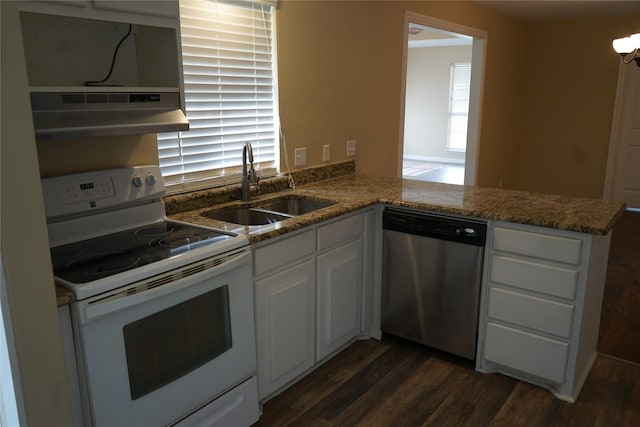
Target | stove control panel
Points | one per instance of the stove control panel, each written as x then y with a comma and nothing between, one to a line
82,193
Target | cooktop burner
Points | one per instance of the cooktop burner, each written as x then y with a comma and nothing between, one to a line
94,259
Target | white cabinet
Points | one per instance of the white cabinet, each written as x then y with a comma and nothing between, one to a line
540,314
308,298
69,43
283,252
152,11
526,352
339,284
165,8
285,300
285,325
540,309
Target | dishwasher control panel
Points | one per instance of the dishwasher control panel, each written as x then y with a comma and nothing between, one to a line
434,225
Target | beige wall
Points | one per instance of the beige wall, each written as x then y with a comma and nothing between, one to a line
548,93
340,77
59,157
567,107
333,83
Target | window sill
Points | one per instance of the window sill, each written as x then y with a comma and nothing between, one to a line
213,182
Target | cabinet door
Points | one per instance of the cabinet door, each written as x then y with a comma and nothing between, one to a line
169,9
339,284
285,325
529,353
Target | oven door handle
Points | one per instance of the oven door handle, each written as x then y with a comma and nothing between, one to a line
93,309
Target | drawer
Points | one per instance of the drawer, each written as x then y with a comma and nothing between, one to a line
544,246
532,276
283,252
525,352
535,313
340,231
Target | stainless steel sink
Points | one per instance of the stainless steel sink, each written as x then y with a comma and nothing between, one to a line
269,212
295,206
246,216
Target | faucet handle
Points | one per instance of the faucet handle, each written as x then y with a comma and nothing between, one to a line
253,177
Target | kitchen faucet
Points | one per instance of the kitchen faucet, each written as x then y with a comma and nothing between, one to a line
248,177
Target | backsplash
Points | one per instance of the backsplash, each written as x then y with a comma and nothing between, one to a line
213,196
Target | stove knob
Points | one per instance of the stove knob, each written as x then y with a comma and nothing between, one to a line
137,181
151,179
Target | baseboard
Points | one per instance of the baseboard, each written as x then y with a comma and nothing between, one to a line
433,159
617,359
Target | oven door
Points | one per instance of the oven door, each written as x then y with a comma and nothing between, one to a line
153,351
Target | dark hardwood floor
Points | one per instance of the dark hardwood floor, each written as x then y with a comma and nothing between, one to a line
620,320
396,383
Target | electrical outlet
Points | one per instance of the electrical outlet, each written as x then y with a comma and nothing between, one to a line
351,147
326,153
301,156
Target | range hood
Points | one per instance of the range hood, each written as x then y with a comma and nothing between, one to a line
97,111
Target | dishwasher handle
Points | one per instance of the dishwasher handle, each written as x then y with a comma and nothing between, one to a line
437,226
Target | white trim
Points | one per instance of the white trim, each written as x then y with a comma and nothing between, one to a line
403,92
616,129
442,25
440,42
478,60
273,3
434,159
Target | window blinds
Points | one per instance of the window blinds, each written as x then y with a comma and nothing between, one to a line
459,105
229,93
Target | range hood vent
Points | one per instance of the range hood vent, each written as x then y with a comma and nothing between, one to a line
85,114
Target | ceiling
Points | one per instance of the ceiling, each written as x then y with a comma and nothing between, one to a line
549,10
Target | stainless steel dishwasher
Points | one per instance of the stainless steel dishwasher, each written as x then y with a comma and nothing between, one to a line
431,273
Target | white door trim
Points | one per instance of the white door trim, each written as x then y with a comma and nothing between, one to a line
478,57
616,128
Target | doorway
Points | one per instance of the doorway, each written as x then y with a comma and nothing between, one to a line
442,65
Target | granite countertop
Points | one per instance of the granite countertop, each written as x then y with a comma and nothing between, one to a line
353,192
63,296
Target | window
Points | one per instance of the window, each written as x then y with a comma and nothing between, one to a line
459,106
228,62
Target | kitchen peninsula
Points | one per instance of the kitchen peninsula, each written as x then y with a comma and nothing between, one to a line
544,265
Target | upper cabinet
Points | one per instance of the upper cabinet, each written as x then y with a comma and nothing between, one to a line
100,68
114,10
166,8
72,46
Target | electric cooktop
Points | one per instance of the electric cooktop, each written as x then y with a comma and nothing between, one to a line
103,256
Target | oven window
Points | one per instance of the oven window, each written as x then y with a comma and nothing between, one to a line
166,345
